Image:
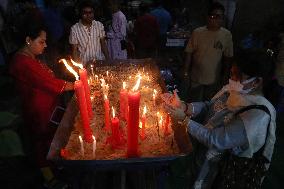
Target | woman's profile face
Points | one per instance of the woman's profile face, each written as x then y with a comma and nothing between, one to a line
38,44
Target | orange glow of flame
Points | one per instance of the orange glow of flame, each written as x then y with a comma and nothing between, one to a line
69,68
161,120
113,112
135,88
144,111
124,85
77,64
80,138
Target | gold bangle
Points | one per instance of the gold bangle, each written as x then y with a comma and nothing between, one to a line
184,121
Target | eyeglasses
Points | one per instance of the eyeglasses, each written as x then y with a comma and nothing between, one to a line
88,12
215,16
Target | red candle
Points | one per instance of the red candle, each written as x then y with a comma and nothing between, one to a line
133,124
80,94
115,128
166,127
83,78
123,102
143,123
106,105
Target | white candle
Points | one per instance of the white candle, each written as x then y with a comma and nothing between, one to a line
94,146
82,146
92,69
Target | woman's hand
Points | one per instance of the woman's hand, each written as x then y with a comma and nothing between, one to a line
176,113
172,99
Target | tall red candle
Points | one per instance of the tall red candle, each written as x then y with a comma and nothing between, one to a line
133,124
123,102
107,119
83,78
115,128
80,94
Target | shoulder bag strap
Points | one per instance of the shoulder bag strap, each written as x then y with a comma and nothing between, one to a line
263,108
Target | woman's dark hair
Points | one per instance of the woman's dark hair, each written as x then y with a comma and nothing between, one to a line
30,27
216,6
255,62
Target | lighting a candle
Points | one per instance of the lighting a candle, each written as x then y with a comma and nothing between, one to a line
81,100
123,102
82,146
133,120
94,146
83,77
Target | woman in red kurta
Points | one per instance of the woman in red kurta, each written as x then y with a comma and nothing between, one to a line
38,88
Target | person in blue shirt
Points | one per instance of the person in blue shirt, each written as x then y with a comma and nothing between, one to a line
164,20
222,124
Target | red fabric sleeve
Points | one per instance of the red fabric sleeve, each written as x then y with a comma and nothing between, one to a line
36,74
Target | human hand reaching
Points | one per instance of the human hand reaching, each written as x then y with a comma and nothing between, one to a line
172,99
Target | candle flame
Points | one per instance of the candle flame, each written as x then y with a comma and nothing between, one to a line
124,85
80,138
144,110
94,138
140,124
161,120
135,88
69,68
113,112
77,64
103,82
107,73
154,93
105,97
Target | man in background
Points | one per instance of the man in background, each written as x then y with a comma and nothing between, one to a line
205,50
87,37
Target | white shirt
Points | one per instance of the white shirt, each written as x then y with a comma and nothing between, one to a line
88,42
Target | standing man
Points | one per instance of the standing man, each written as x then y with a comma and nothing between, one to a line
164,19
87,37
117,32
146,29
205,50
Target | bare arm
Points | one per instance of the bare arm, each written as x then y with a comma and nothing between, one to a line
104,48
187,64
75,53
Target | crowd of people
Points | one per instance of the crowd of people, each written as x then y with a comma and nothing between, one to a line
225,110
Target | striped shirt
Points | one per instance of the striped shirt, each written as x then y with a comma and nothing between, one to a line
88,42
